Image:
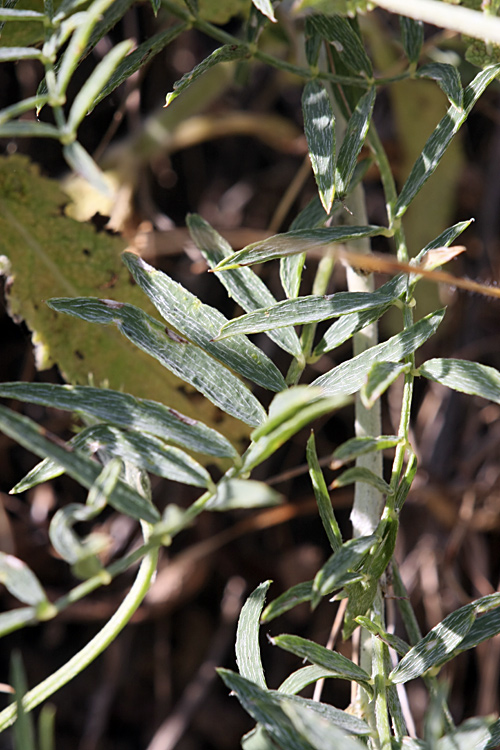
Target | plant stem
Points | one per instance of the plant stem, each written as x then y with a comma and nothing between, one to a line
94,648
454,17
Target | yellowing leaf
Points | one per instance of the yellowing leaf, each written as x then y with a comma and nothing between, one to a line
47,254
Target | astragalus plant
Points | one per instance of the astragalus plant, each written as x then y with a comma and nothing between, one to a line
123,438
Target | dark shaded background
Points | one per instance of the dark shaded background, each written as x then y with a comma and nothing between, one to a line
161,667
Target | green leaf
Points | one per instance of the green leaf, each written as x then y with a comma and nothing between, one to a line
322,496
313,43
124,410
339,719
303,677
350,324
360,446
265,707
20,581
28,129
266,8
441,137
400,646
362,594
448,79
138,58
82,555
291,269
412,36
12,14
464,376
361,474
243,493
31,102
79,467
247,637
292,266
82,163
319,127
484,628
343,667
338,569
319,727
405,484
84,101
242,284
148,453
20,53
436,647
15,619
257,739
200,324
185,360
338,32
24,730
227,53
344,328
380,377
355,135
298,594
350,376
282,424
296,241
476,733
311,309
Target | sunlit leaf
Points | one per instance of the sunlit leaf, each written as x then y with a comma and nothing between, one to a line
355,135
436,646
242,284
124,410
322,496
227,53
273,437
82,163
319,127
298,594
412,36
448,78
310,309
323,657
336,572
296,241
360,446
350,376
380,377
438,142
200,324
265,707
20,581
184,359
361,474
243,493
318,727
337,30
266,8
78,466
464,376
247,637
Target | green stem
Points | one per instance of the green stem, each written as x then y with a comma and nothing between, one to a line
320,286
275,62
94,648
379,664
